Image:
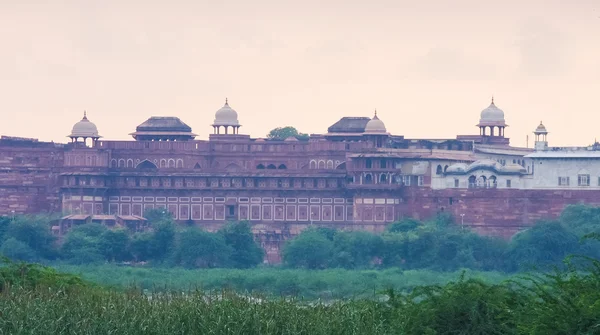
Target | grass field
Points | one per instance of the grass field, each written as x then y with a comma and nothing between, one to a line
326,284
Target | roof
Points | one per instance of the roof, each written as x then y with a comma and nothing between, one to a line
565,154
163,124
349,125
502,150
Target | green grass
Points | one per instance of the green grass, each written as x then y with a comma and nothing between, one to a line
325,284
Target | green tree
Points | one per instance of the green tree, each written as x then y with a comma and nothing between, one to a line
141,246
309,250
163,240
198,248
82,244
158,215
17,250
246,252
114,244
356,249
281,133
541,247
403,225
34,232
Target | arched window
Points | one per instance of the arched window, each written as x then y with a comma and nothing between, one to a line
313,164
439,170
368,179
163,163
382,178
493,182
321,164
113,163
121,163
282,167
481,181
130,163
260,166
472,181
146,164
171,163
179,163
271,166
445,168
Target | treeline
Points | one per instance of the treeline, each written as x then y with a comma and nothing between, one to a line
438,244
30,239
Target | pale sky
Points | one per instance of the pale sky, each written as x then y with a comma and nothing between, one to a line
428,67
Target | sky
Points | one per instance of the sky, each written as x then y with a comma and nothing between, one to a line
428,67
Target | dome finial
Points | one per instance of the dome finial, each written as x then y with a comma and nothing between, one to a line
85,115
492,99
226,101
375,111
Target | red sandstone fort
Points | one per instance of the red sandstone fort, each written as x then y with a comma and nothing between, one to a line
354,176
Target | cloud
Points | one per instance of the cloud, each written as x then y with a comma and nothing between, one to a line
451,64
543,50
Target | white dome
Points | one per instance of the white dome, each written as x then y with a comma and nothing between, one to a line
84,128
226,116
492,115
375,125
541,129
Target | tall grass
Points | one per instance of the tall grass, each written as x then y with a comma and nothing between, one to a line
310,284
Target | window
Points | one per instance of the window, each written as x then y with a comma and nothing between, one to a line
455,182
230,210
406,180
438,170
420,180
450,201
369,164
508,183
382,164
583,180
563,181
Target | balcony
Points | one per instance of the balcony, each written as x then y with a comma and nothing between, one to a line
374,186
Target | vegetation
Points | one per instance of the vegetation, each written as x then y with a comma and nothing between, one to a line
400,289
564,302
282,133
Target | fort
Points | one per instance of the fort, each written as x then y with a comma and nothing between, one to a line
354,176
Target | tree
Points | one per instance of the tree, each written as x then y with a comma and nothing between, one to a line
246,252
82,244
356,249
158,215
140,246
281,133
163,240
198,248
114,244
403,226
310,250
17,250
35,233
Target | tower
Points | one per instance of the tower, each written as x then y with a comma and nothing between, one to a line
226,118
541,140
84,129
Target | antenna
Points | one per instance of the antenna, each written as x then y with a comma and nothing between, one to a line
527,141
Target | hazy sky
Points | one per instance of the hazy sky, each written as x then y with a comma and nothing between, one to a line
429,67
